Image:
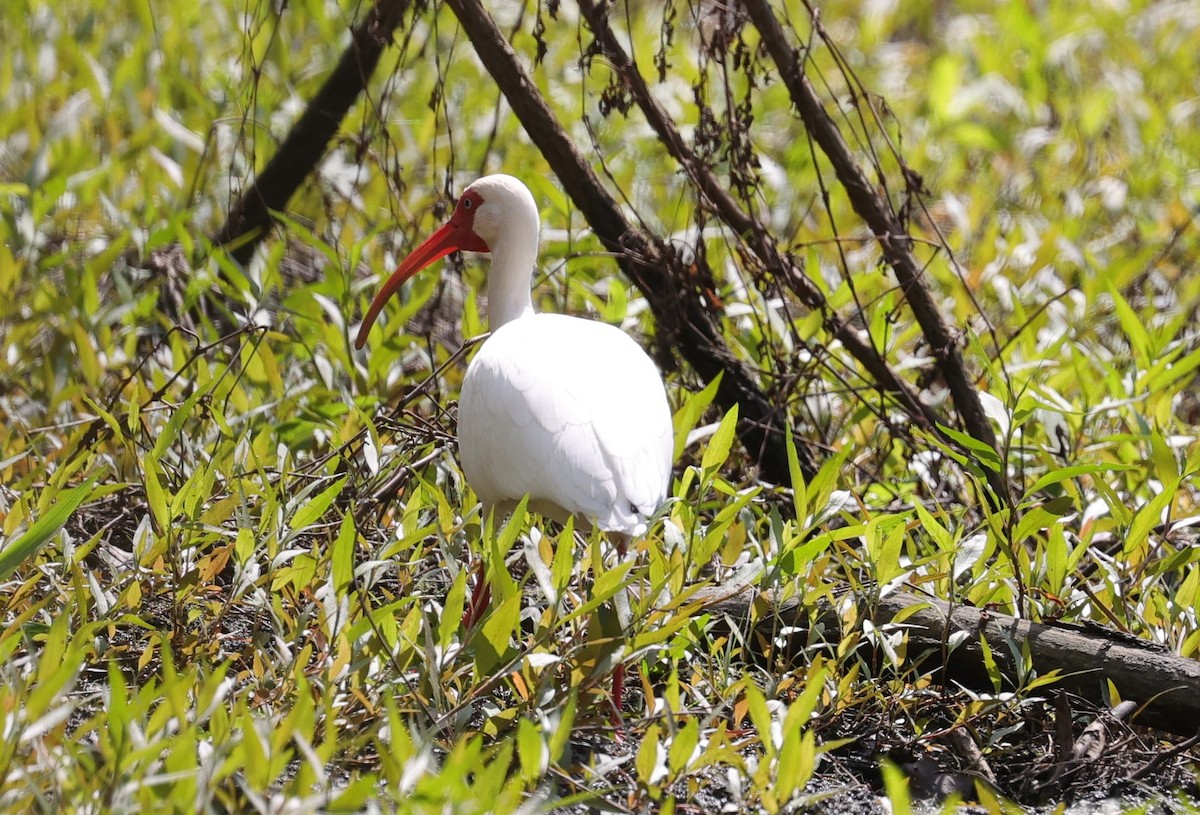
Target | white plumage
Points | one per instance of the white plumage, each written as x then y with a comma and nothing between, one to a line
570,412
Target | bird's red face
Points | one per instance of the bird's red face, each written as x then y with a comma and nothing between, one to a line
456,234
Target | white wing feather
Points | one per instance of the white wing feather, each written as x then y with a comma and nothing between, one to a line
572,413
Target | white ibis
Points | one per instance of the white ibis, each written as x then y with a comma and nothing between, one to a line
567,411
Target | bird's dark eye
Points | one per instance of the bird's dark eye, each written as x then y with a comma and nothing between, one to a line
467,203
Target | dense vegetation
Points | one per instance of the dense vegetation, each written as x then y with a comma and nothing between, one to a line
233,547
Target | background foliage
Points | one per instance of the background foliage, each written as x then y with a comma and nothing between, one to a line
233,547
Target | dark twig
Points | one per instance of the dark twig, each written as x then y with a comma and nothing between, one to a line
1162,758
308,139
747,227
893,238
647,261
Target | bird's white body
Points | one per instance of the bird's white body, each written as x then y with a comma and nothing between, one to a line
571,413
568,411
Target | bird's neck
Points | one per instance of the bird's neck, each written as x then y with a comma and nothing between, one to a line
510,279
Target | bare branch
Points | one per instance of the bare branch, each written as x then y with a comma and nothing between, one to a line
648,262
310,136
893,238
749,228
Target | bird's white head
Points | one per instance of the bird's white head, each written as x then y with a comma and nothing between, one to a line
502,210
495,214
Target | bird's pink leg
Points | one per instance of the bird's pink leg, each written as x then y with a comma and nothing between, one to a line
481,595
618,688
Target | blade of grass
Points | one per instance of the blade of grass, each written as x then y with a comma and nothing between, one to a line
13,554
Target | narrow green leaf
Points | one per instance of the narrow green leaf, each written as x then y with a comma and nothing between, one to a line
799,489
1040,517
787,770
802,709
185,497
683,746
647,755
610,582
1057,550
989,663
316,506
341,554
1165,463
108,418
1132,325
1075,471
495,633
885,538
564,557
452,612
1148,517
982,453
607,585
16,552
354,796
562,734
400,744
895,785
243,545
1049,678
717,451
760,715
156,497
118,702
1116,504
254,755
498,547
934,529
530,750
693,408
181,414
1176,563
1172,372
508,535
821,488
53,649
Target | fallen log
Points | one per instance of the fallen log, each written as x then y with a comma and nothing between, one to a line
1165,686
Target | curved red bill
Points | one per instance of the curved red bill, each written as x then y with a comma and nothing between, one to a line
450,238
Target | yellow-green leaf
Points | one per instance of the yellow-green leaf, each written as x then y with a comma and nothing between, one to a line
316,507
721,442
530,749
16,552
647,755
341,554
495,633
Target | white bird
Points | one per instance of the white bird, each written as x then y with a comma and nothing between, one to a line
569,412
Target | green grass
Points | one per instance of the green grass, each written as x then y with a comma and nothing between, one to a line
233,550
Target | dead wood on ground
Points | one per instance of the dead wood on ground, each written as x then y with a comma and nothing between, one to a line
1165,686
